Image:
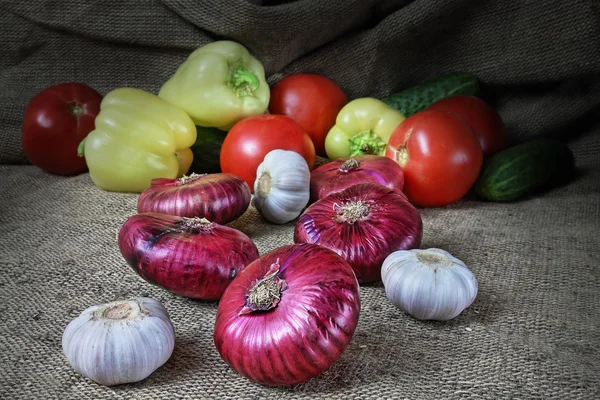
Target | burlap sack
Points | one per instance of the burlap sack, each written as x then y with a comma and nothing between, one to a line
533,331
538,60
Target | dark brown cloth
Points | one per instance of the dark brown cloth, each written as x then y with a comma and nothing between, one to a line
539,61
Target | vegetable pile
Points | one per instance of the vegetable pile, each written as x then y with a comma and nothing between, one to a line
216,141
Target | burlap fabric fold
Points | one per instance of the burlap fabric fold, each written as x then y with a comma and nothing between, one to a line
538,60
533,331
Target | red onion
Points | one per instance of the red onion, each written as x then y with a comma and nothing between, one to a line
288,316
220,198
192,257
342,173
363,224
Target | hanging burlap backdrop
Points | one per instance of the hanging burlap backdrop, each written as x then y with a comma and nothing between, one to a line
533,331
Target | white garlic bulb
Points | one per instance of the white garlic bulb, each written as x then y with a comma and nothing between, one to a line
119,342
428,284
282,186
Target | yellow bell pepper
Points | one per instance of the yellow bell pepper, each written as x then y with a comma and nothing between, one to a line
363,126
137,137
219,84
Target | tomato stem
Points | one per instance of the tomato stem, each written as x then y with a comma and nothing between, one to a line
75,108
242,80
401,155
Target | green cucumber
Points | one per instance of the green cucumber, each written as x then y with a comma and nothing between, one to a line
207,150
524,169
418,98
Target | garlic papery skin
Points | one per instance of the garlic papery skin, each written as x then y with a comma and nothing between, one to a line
428,284
282,186
119,342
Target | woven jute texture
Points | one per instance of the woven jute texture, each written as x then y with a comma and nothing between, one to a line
533,331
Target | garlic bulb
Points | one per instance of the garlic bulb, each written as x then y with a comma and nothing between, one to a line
282,186
428,284
119,342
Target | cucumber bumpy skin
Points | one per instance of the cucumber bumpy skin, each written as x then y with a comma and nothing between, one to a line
418,98
524,169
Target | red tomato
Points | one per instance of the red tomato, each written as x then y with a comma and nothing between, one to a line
56,120
485,121
440,155
248,142
313,101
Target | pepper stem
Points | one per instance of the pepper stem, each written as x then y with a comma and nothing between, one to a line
366,142
349,165
242,80
81,148
352,212
265,294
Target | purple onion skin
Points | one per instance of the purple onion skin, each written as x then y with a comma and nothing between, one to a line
196,263
305,332
220,198
392,224
333,177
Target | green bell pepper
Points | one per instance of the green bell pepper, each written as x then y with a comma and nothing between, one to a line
363,126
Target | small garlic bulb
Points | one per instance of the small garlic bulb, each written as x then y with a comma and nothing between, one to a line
282,186
428,284
119,342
